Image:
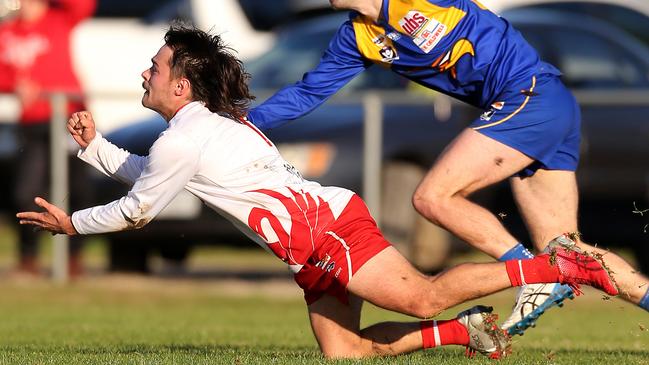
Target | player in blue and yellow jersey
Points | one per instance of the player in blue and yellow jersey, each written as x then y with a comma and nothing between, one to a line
529,132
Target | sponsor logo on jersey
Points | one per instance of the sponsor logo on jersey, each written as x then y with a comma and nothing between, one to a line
413,22
429,38
388,54
292,170
325,265
425,32
379,40
387,51
486,116
394,36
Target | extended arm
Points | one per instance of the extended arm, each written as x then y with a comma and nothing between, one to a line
113,161
172,162
101,154
340,63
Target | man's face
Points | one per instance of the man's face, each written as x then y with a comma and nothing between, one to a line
158,82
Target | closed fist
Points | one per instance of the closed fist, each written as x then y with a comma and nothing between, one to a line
82,128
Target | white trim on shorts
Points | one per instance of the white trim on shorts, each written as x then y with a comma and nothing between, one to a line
349,258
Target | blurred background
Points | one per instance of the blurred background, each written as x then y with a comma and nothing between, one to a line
602,46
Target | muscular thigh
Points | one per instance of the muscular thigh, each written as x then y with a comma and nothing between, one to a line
389,281
533,125
471,162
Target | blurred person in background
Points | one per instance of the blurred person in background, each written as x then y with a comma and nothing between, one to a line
529,132
324,234
35,60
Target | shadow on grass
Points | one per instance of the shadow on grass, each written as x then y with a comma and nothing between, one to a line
230,273
265,354
144,349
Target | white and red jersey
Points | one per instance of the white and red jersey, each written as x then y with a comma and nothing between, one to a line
232,167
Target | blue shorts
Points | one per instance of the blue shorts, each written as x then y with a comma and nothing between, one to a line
539,118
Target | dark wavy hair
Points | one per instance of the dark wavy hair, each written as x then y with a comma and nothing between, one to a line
217,77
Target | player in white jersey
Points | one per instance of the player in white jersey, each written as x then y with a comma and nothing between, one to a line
325,235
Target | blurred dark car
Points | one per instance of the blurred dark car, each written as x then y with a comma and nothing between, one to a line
606,68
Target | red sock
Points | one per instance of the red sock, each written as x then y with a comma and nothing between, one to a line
440,333
532,271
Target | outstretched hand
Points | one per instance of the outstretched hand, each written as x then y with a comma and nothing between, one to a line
53,219
82,128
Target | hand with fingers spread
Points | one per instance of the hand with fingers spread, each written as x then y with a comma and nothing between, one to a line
82,128
53,219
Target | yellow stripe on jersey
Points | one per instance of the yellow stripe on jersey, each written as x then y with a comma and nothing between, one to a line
399,9
370,38
480,5
448,60
510,116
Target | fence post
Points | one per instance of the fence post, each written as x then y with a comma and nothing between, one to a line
59,193
372,152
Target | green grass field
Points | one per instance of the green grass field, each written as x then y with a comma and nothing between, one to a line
109,319
136,320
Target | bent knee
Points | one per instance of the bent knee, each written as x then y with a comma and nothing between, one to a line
430,204
423,308
429,310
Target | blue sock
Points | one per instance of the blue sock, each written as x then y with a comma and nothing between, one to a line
644,303
517,252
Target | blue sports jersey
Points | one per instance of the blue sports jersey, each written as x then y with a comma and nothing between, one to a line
457,47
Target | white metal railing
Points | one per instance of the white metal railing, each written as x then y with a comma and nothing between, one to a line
372,152
59,181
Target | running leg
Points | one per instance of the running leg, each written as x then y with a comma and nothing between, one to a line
548,202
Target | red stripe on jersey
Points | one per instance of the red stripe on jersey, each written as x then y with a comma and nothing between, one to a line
182,106
246,122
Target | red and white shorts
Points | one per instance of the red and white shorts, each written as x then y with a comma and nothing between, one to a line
346,245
